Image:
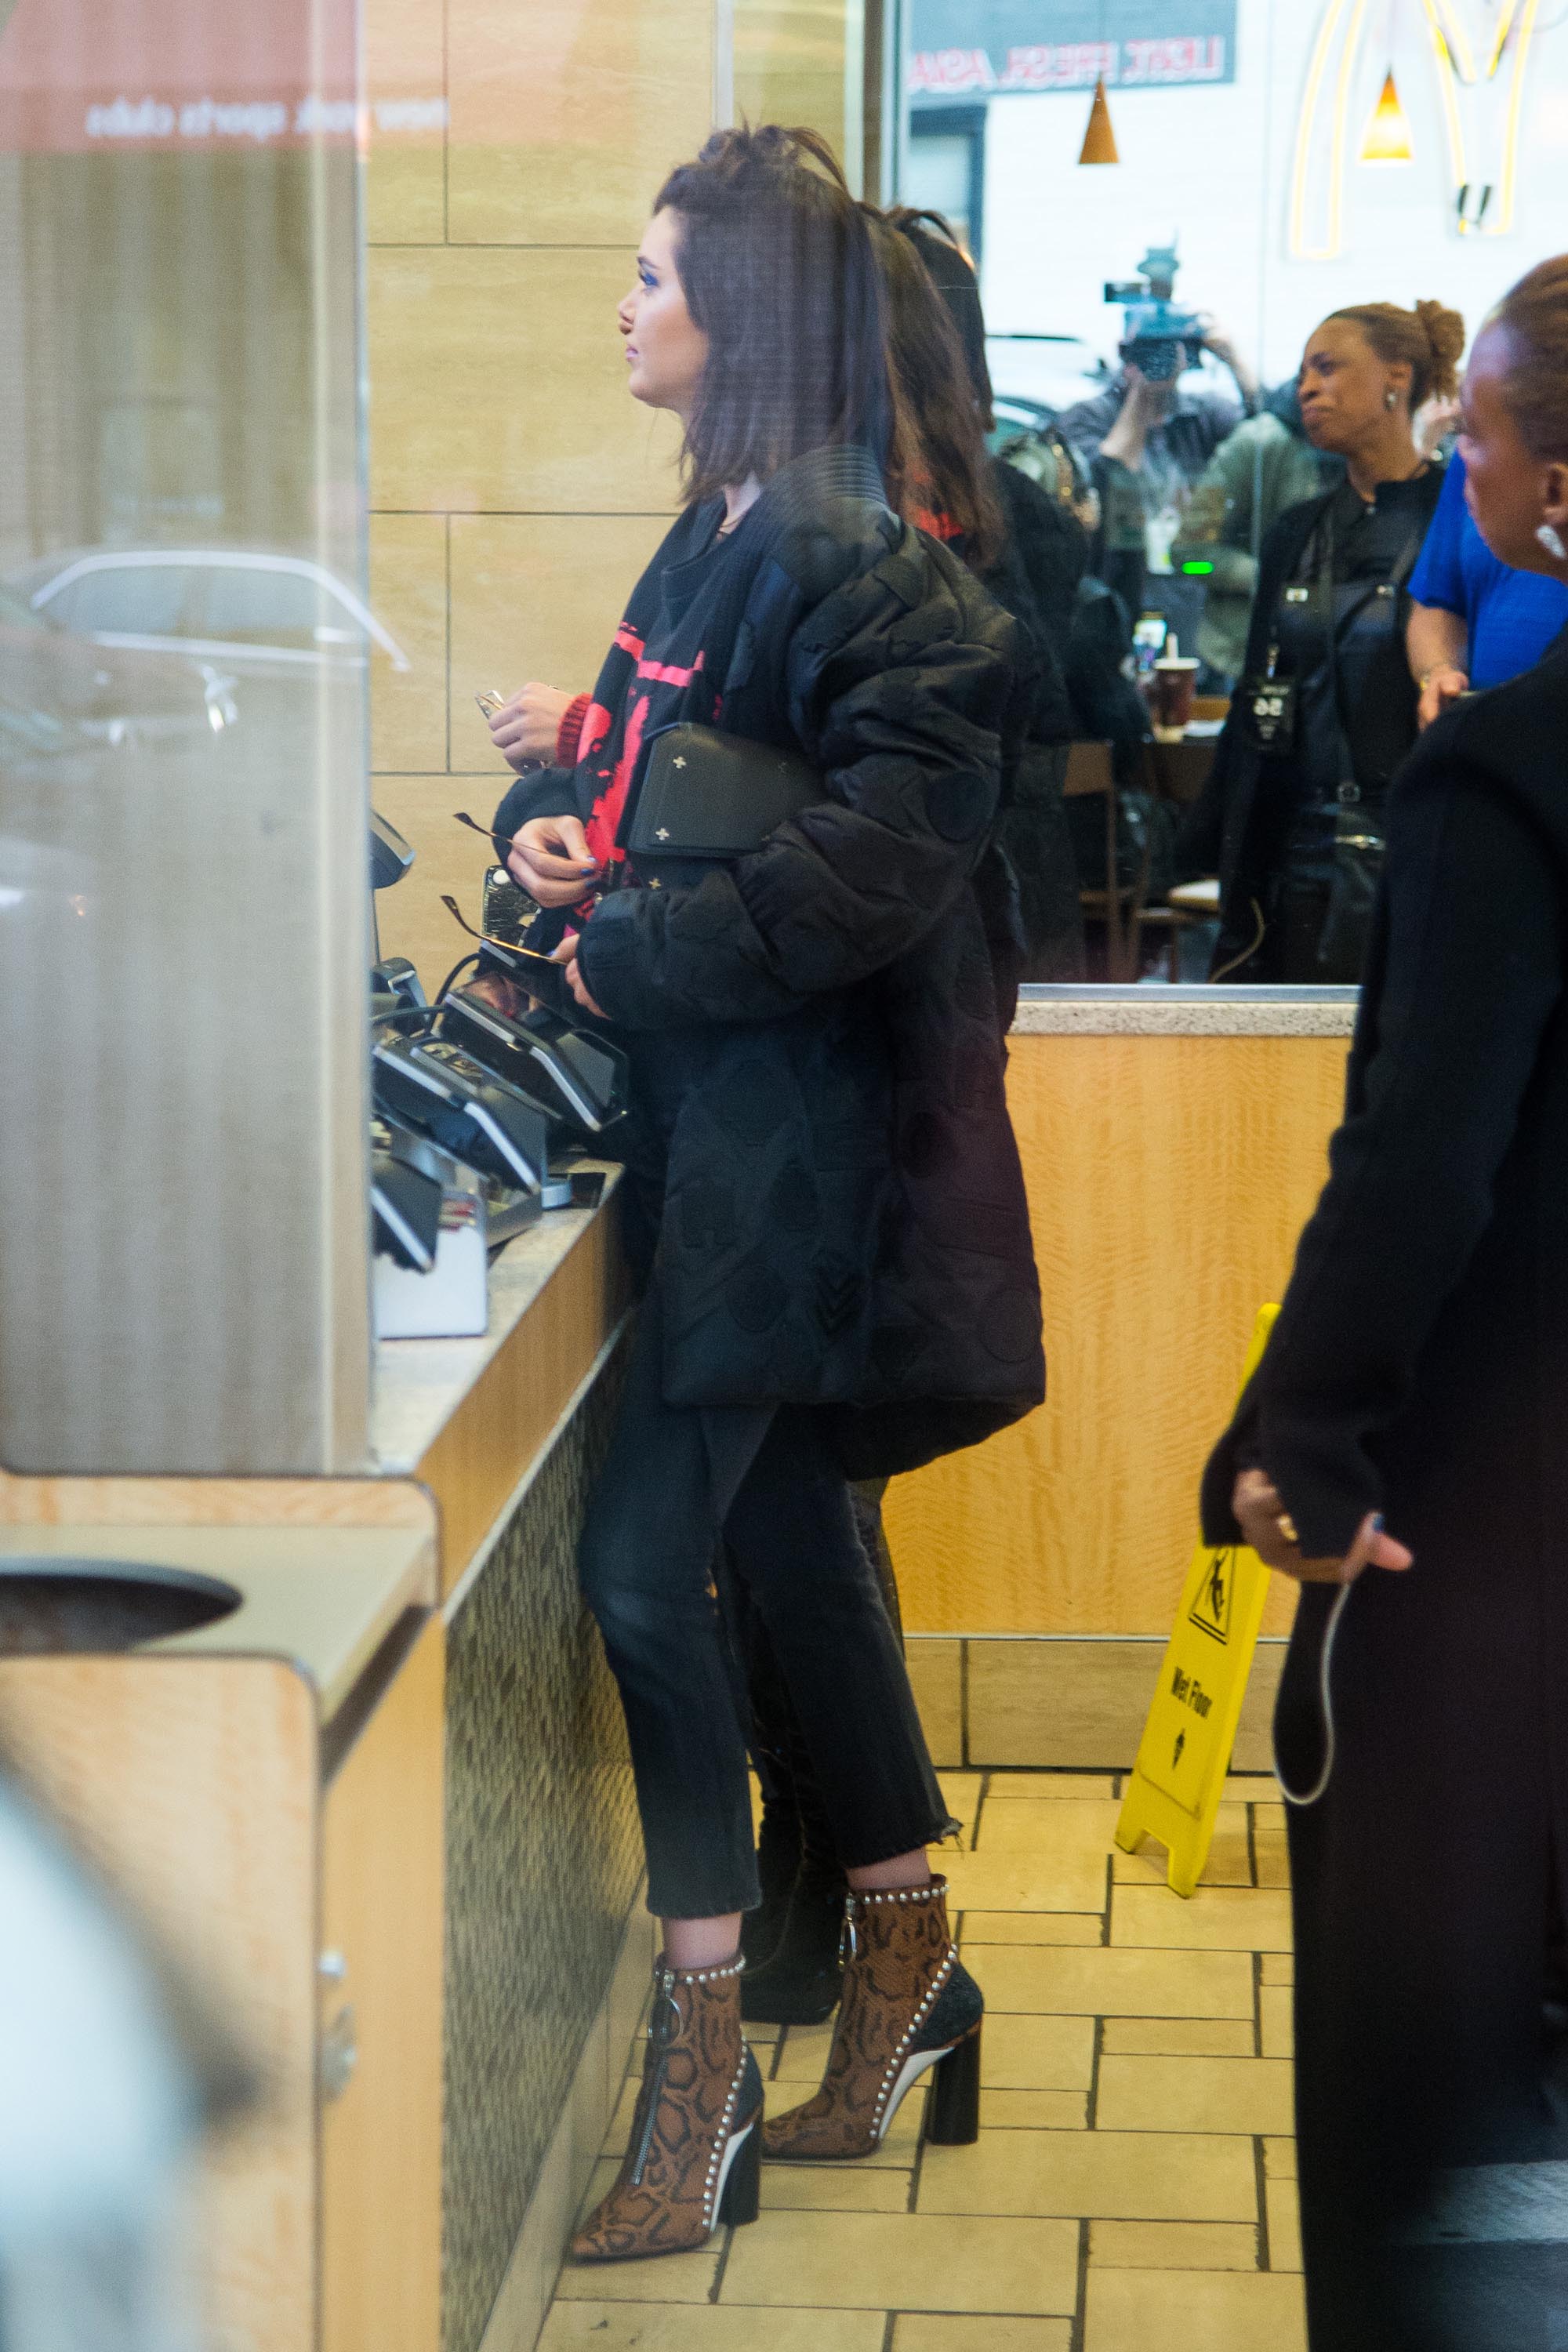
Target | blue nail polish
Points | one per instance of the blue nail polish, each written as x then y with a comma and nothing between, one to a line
1377,1523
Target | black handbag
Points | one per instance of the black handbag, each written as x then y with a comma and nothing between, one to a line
706,798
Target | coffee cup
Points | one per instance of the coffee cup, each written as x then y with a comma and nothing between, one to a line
1175,686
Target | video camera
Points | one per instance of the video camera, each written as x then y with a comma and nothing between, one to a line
1155,331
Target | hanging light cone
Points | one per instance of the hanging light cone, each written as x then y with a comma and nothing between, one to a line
1099,139
1387,138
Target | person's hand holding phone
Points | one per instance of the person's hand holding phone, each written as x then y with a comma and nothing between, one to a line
526,730
1268,1529
1439,687
550,859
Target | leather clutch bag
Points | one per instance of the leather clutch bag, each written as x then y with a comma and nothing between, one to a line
707,796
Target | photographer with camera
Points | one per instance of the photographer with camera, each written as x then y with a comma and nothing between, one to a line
1148,437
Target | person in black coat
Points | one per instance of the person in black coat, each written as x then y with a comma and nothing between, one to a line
1291,817
1403,1450
843,1281
1032,562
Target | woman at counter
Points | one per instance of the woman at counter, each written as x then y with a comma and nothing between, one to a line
1418,1373
843,1284
1291,819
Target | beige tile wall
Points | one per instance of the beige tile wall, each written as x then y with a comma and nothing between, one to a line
516,492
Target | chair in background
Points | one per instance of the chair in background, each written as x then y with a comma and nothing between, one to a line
1119,906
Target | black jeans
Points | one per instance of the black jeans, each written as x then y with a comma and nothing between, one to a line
763,1478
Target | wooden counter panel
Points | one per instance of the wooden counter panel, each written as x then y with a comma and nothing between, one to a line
382,1891
1168,1178
190,1783
507,1417
155,1502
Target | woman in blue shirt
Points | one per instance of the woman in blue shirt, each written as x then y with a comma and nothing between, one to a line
1475,621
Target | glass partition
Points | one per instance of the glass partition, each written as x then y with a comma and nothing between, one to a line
1167,200
183,646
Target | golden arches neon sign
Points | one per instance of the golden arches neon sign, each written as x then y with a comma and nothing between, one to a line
1317,226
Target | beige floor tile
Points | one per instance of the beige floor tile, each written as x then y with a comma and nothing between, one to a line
1118,1983
1276,2019
1125,2175
1221,2095
1247,1785
962,1792
672,2278
802,2056
621,2121
1174,2245
836,2188
1050,1826
653,2327
1193,2311
1067,1874
1032,1927
884,2261
1217,1919
1268,1841
1033,1786
1284,2225
1034,2110
1280,2158
1037,2053
1178,2037
933,2331
1229,1860
1278,1968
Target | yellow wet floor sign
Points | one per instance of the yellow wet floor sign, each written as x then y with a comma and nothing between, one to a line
1185,1754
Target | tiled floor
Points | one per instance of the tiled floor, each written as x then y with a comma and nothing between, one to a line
1134,2188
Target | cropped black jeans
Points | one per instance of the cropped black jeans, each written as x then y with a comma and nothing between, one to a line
763,1479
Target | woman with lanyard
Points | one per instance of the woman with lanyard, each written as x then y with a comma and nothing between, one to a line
1419,1374
1291,819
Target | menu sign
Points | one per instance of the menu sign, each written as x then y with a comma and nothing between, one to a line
969,49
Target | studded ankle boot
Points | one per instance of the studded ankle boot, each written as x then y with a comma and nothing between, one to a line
692,2161
909,2004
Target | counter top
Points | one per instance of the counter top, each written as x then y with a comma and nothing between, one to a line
326,1597
1066,1010
420,1384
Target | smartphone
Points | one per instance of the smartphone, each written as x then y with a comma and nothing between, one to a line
490,701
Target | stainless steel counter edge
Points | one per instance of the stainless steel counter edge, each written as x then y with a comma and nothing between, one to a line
1071,1009
420,1383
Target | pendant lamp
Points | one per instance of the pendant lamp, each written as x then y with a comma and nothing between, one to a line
1099,139
1387,138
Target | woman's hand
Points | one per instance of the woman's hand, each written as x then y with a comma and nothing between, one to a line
566,956
1439,687
551,858
525,730
1267,1526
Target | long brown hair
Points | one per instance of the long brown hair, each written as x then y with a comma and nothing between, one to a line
946,483
1534,317
776,264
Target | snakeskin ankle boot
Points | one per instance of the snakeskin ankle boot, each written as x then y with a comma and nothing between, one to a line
692,2160
909,2004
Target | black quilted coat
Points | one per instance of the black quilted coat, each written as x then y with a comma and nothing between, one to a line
814,1029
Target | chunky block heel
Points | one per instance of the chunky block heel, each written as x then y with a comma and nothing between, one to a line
952,2119
744,2181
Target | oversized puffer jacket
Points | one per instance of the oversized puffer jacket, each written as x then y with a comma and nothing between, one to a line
814,1029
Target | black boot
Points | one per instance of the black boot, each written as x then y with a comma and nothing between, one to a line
778,1865
800,1983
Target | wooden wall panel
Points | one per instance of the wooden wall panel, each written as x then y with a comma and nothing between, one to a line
382,1895
1169,1178
190,1784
